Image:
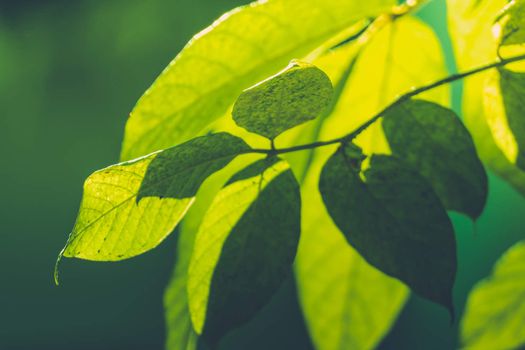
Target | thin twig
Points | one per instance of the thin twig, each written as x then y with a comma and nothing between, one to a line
403,98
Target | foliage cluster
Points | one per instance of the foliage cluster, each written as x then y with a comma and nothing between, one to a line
339,168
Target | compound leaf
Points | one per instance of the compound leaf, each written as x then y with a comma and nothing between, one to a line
293,96
244,248
129,208
495,314
241,48
432,140
393,218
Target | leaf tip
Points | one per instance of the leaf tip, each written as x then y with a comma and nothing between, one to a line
57,266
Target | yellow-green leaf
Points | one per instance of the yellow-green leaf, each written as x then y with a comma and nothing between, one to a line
241,48
129,208
504,104
471,28
505,90
293,96
495,313
244,248
402,55
510,29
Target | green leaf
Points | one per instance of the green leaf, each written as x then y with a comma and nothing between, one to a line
495,313
179,330
348,304
178,172
243,47
510,28
295,95
471,29
129,208
504,94
244,248
432,140
402,55
393,218
505,87
345,300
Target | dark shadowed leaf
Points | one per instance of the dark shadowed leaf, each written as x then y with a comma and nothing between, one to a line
129,208
179,171
432,139
244,248
393,218
495,313
348,304
293,96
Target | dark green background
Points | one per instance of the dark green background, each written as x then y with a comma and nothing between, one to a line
70,71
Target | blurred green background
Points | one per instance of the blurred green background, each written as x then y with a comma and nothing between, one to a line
70,71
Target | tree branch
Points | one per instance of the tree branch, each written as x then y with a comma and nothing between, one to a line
403,98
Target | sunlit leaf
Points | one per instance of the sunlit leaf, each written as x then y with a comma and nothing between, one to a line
504,103
432,139
295,95
505,88
335,64
244,248
348,304
471,27
393,218
243,47
495,313
510,29
129,208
